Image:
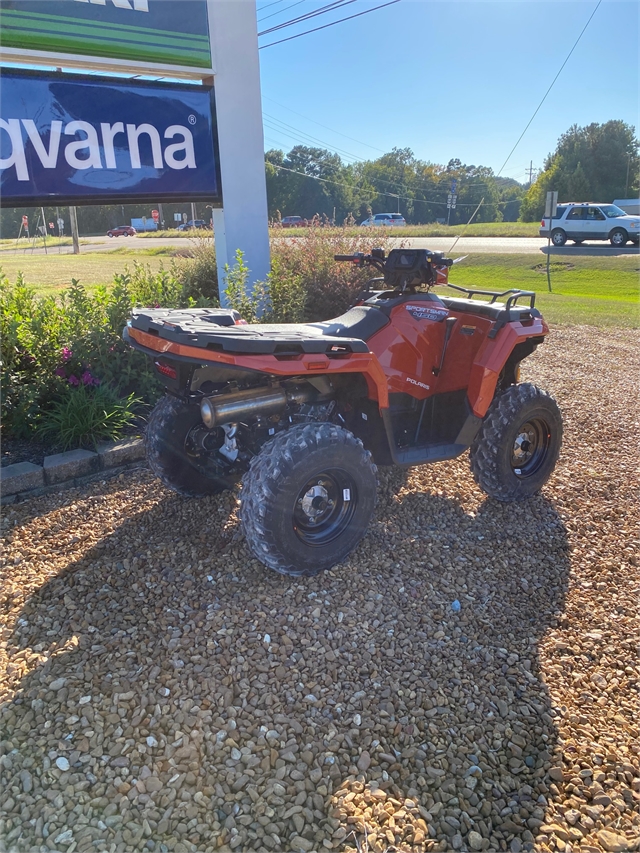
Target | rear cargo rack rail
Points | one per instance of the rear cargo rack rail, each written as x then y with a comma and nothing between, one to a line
511,301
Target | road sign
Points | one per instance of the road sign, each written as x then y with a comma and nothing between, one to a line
177,217
451,201
155,215
454,184
184,217
51,225
551,206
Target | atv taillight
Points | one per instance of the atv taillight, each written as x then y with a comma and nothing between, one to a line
241,322
166,370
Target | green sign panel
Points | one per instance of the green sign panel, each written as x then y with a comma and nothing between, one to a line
166,32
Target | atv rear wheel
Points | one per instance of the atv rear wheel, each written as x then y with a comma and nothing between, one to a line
307,498
516,450
175,450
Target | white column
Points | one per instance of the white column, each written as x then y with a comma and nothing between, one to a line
243,224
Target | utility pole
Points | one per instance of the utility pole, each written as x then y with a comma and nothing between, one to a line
530,170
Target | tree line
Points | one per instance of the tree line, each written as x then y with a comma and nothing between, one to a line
595,163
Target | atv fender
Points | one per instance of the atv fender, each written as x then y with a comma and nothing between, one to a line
492,357
308,364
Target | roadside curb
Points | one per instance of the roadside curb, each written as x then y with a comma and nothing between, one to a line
25,480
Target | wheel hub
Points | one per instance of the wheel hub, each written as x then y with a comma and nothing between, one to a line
315,503
530,447
324,507
522,448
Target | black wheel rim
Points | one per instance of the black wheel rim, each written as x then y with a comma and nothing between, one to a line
324,507
530,447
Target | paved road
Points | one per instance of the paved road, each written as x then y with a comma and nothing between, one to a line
465,245
515,246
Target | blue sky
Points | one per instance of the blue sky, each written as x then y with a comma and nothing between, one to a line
448,78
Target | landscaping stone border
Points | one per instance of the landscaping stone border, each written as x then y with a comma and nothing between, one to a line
64,470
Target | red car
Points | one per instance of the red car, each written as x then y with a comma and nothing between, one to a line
122,231
294,222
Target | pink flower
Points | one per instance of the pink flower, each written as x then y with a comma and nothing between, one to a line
66,354
87,378
73,380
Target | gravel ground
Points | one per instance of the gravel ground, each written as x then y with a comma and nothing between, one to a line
162,691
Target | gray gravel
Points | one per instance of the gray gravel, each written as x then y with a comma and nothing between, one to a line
162,691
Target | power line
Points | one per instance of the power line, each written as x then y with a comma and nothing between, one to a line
324,125
332,24
309,136
275,3
380,192
432,183
550,87
281,11
323,10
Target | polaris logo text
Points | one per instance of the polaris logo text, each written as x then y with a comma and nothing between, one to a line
419,384
98,146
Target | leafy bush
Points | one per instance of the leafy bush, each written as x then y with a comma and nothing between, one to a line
83,416
49,344
198,271
328,287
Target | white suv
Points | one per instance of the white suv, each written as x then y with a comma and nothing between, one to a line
389,220
591,221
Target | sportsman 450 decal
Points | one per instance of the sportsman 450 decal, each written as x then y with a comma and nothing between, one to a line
427,312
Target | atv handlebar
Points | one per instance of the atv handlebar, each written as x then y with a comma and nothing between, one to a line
361,260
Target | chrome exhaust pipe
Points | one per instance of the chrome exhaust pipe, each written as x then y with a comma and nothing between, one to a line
231,408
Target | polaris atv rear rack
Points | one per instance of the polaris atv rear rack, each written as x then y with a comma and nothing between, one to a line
511,301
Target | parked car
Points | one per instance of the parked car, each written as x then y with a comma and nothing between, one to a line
591,221
388,220
294,222
191,224
122,231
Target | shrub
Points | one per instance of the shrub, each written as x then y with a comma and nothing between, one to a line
328,287
84,415
198,271
49,344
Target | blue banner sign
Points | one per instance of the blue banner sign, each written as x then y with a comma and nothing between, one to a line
71,139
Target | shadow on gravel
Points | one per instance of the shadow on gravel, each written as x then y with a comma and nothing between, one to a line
370,688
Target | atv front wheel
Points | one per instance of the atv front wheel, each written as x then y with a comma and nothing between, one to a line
307,498
177,451
516,450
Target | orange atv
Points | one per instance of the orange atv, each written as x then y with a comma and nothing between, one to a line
304,413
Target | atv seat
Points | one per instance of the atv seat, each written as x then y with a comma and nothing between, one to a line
341,335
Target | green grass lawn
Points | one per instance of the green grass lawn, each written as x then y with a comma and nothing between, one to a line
600,291
24,245
481,229
48,274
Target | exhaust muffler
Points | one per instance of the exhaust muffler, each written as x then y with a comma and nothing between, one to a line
231,408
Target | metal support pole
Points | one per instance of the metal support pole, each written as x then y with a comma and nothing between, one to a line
73,218
44,233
